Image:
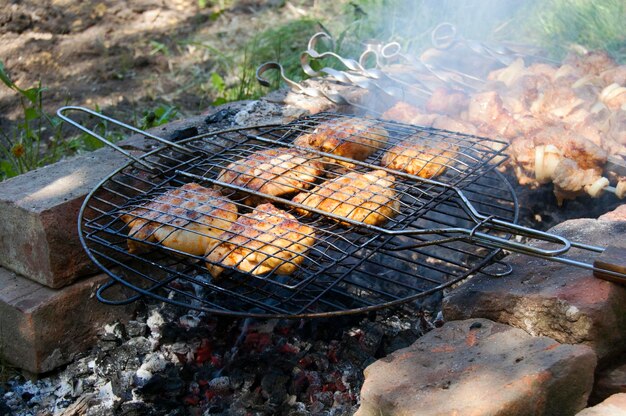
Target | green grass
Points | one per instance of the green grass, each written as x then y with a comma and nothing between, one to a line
558,24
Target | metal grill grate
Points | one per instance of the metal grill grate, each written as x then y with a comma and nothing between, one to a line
352,267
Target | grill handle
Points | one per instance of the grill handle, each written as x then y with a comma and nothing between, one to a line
610,264
61,113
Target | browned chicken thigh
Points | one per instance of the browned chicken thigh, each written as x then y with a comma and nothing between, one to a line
349,137
275,172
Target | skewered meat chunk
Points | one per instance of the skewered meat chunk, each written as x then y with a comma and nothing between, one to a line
186,219
570,180
487,112
274,172
594,62
265,240
448,102
573,146
364,197
349,137
535,158
616,75
419,156
406,113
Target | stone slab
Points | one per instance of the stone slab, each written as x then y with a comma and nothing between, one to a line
613,406
479,367
618,214
546,298
43,328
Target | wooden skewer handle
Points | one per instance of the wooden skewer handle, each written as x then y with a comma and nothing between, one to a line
613,259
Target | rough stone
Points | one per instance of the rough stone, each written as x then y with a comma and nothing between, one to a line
547,298
43,328
618,214
613,406
479,367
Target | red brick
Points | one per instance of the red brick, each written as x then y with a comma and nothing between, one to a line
38,218
43,328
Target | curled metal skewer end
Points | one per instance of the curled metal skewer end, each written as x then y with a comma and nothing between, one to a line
378,50
444,35
295,86
275,65
350,64
319,35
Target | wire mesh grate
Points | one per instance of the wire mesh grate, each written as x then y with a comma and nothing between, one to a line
351,267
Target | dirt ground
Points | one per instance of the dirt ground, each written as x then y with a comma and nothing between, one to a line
124,56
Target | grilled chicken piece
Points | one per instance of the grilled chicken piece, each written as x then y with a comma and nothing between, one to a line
419,156
186,219
350,137
274,172
265,240
364,197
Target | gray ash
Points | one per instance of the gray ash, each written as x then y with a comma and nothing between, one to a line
168,361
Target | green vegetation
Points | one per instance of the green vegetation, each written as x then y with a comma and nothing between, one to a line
40,138
224,72
24,148
559,24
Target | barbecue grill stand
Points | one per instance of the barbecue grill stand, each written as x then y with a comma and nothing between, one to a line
441,239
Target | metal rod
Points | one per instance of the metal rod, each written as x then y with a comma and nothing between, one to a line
61,113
